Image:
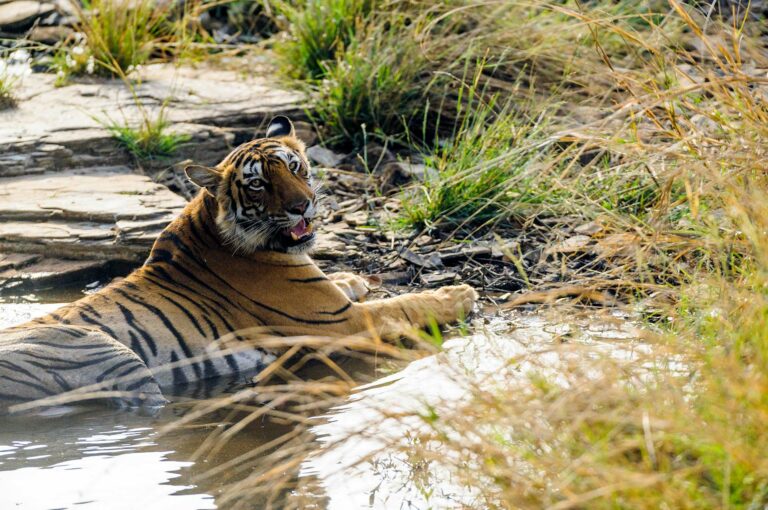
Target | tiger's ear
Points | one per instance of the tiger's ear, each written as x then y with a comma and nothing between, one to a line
205,177
280,126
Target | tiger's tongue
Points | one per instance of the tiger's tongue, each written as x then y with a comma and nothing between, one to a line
300,230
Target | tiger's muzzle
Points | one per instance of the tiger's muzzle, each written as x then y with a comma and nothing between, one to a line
301,235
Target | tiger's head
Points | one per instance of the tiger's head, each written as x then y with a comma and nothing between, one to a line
264,191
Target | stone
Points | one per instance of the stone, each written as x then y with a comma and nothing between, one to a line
395,277
206,145
396,174
47,273
356,218
430,262
16,260
465,254
438,279
618,245
424,240
573,244
324,157
305,132
50,35
374,156
20,15
106,213
589,229
329,247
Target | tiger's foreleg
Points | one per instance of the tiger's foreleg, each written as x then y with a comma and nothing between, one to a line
64,364
395,317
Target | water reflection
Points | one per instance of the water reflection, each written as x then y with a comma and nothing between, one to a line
96,457
92,461
363,460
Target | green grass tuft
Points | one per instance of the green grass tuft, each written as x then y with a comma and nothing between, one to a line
150,140
7,91
321,30
373,88
9,80
117,37
485,171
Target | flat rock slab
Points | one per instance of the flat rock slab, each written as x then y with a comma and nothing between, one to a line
103,213
22,13
57,128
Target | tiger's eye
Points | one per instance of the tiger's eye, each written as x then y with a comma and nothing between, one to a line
256,185
293,166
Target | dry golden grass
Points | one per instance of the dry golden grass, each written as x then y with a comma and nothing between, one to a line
681,424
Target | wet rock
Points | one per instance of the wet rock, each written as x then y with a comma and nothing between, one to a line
20,15
324,157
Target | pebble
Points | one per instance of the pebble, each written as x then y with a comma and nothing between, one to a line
324,157
436,279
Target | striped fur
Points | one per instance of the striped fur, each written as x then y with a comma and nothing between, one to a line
224,269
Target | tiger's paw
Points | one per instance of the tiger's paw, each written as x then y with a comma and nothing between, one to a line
354,286
458,301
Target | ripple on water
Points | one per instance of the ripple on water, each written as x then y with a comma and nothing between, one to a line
367,473
96,457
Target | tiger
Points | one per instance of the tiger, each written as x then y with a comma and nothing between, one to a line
236,258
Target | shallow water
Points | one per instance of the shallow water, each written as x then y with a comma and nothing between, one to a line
102,458
94,457
367,472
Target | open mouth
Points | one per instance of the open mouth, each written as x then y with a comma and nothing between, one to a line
299,233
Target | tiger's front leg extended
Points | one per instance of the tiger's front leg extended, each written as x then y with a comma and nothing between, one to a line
395,317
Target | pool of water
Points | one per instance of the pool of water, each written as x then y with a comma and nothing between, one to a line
101,458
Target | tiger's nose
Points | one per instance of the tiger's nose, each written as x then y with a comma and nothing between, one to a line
298,207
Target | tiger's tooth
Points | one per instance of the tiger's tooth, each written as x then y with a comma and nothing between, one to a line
294,236
309,228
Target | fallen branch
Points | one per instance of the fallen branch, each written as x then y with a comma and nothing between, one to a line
551,295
